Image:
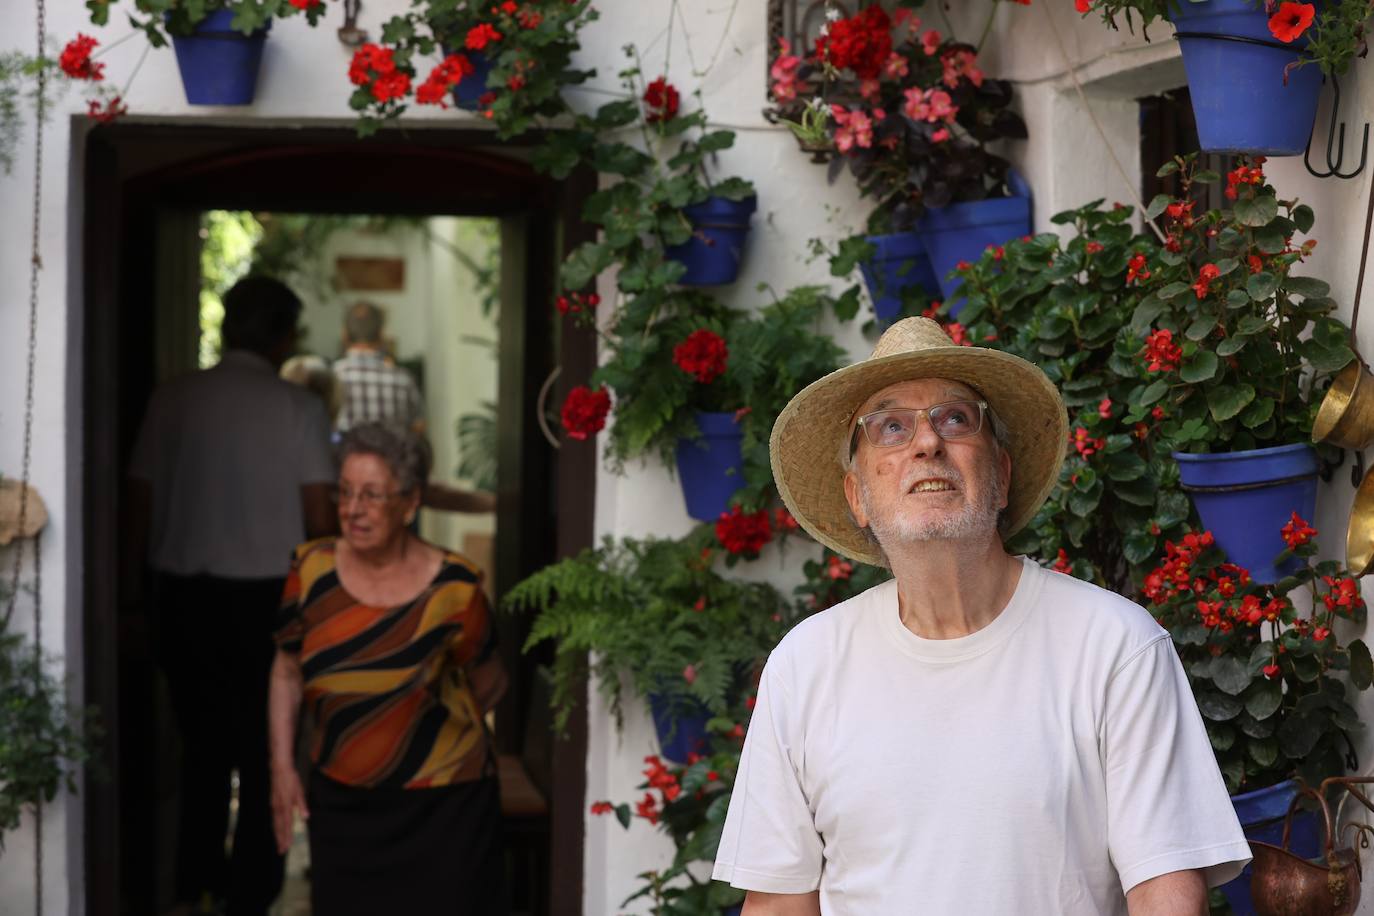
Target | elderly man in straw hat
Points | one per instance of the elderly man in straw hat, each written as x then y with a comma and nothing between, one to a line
978,735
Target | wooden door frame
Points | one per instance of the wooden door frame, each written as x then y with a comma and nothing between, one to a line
129,171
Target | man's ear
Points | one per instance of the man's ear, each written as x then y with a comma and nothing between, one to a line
851,494
1004,467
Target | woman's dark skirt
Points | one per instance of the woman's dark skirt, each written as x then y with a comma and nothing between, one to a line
406,851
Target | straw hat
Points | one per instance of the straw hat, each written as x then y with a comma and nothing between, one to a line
812,433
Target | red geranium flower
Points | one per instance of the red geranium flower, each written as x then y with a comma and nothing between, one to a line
741,533
1135,268
1205,275
703,354
76,60
108,112
602,807
1083,6
861,43
479,36
305,4
1161,353
393,85
584,412
1062,564
1291,20
838,568
647,808
529,19
661,101
449,72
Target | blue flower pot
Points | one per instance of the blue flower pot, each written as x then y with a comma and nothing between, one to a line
711,467
899,263
1261,814
713,254
219,66
681,727
471,88
733,910
1240,100
1245,499
962,231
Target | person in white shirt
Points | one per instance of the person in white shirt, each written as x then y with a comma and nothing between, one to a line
231,469
978,735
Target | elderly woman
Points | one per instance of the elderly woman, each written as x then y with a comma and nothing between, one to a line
388,640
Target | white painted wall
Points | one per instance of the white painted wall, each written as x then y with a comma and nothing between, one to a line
1065,161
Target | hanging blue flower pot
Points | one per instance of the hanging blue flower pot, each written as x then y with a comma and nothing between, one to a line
899,263
713,254
711,467
468,92
1245,99
1245,499
1261,815
681,726
963,231
219,65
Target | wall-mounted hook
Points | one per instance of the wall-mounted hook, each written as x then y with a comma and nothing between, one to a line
1333,169
1357,470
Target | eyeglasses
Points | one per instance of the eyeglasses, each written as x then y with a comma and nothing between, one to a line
370,499
897,426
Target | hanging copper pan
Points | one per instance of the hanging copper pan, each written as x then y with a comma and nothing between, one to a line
1359,534
1346,415
1285,884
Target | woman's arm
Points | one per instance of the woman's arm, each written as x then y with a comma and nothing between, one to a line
283,709
488,681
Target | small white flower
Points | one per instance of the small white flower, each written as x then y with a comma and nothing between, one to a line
817,103
824,30
832,13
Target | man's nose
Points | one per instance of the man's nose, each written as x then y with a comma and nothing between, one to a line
925,441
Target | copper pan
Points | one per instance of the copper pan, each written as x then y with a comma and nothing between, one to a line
1346,415
1359,533
1285,884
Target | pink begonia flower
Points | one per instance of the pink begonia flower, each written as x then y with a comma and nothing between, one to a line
784,72
930,105
902,16
930,41
958,64
871,90
689,674
855,129
940,136
896,67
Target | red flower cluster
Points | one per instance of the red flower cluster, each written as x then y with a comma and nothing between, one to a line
1343,597
782,519
305,4
577,303
1092,247
1085,443
647,808
703,354
76,60
479,36
602,807
1161,353
530,19
1175,576
450,72
374,64
584,412
1135,269
741,533
661,101
1104,408
1297,532
660,778
861,43
1251,175
1291,20
107,112
1062,564
838,568
956,333
1205,275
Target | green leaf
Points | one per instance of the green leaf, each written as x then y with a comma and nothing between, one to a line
1166,169
1307,287
1221,736
1298,735
1218,707
1304,218
1158,204
622,814
1251,324
1173,290
1265,699
1270,240
1264,752
1154,392
1361,666
1259,411
1261,286
1230,674
1200,368
1225,401
1232,345
1139,546
1256,211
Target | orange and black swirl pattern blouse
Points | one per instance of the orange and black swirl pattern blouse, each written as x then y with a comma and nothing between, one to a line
388,686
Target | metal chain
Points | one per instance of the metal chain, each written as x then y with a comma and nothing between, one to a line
35,268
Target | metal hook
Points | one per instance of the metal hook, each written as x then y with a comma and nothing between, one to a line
1357,470
1334,168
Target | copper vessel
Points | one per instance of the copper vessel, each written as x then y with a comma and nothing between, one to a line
1346,415
1284,884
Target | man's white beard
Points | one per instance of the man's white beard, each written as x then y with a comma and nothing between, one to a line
975,519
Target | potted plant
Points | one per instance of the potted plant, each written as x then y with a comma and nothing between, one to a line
1248,63
218,43
911,114
700,385
655,614
1240,350
508,60
1269,679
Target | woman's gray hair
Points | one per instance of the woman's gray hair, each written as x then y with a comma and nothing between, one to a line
406,453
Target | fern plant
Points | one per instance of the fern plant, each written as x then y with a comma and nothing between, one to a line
656,614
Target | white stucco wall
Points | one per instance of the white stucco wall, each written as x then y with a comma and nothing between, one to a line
302,80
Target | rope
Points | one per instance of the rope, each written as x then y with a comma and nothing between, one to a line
1082,97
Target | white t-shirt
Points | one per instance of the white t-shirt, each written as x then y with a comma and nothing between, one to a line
1045,764
226,452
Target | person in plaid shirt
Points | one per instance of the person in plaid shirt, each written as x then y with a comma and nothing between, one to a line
374,388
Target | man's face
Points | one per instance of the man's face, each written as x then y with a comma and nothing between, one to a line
930,488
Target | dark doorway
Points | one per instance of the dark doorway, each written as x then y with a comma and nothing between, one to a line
1167,130
142,178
